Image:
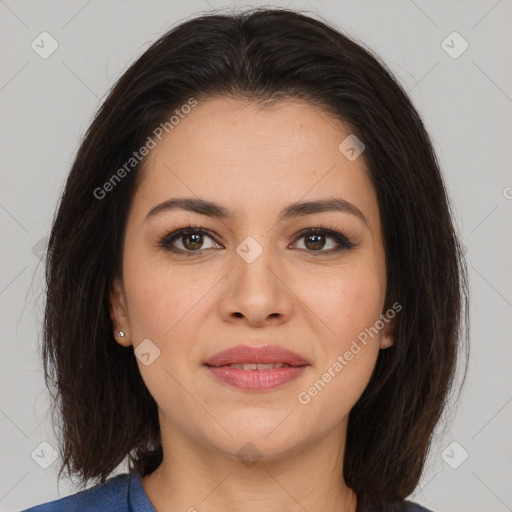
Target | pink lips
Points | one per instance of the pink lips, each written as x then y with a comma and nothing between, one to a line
256,379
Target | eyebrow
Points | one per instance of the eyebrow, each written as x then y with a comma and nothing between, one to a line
294,210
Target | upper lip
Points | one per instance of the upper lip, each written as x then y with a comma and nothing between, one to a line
256,354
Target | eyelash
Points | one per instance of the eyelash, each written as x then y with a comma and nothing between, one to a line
343,242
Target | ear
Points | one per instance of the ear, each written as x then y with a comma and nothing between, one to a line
388,335
119,313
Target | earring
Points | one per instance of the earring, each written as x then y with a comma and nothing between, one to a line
120,334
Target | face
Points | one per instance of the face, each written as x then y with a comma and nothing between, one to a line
254,277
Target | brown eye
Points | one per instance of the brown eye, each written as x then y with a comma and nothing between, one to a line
187,240
192,241
317,239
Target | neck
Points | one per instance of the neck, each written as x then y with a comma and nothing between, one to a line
193,477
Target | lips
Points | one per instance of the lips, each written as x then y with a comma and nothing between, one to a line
256,368
251,356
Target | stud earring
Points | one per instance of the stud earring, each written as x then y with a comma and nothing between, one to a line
120,334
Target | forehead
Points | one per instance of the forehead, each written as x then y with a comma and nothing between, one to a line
286,131
251,158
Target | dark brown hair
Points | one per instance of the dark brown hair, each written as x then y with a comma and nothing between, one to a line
105,412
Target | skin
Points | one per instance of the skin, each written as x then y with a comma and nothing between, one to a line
255,161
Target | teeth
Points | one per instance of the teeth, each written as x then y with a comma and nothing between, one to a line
258,366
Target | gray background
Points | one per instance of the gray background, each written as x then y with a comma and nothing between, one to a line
47,104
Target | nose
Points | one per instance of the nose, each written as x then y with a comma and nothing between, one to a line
256,289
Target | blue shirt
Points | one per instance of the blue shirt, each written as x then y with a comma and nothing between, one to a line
124,493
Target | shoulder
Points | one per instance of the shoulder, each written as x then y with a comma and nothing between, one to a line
410,506
113,496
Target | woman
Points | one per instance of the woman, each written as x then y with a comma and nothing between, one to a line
255,289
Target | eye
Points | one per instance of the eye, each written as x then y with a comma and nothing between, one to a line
190,238
316,240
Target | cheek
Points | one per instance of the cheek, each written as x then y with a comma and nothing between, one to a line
349,302
152,307
159,298
347,358
346,301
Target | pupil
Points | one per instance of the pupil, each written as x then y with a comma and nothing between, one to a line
314,245
193,245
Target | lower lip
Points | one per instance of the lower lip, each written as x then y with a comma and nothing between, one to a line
255,380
